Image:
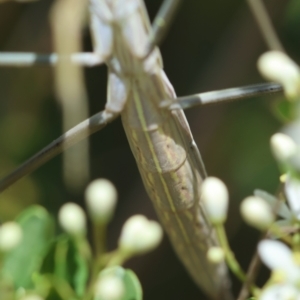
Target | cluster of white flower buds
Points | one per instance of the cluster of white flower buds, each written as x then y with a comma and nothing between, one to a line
284,283
259,210
101,199
285,278
255,210
138,235
277,66
10,236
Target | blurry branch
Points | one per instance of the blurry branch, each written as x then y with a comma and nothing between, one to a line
250,277
265,25
67,17
1,1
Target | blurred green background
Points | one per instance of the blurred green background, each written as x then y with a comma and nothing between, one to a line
211,45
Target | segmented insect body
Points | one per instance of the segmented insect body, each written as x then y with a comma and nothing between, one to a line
161,141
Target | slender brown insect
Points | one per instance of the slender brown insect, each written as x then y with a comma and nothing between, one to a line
158,133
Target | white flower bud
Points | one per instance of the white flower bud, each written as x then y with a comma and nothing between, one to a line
282,146
72,219
10,236
101,199
140,235
109,287
215,255
257,212
215,199
277,66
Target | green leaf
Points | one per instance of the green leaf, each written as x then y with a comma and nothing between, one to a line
65,262
285,110
133,288
23,261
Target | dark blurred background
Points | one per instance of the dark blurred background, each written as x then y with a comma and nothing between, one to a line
211,45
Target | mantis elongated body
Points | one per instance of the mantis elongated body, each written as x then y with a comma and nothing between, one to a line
161,141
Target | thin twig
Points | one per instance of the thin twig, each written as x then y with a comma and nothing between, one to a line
67,19
265,25
251,275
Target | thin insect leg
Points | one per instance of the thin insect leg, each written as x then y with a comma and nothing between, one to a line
28,59
162,23
222,96
98,121
70,138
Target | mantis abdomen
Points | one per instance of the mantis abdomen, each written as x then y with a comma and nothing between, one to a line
160,141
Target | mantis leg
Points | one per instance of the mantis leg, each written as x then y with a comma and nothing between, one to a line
162,22
160,28
222,96
27,59
68,139
101,119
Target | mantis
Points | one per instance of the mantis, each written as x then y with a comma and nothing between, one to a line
160,139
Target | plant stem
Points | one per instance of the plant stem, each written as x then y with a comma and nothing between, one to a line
230,258
99,238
